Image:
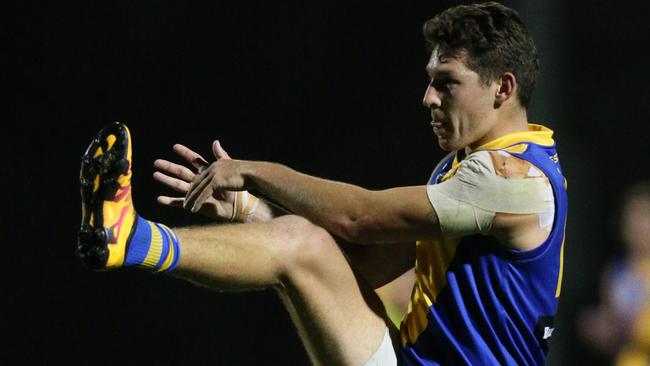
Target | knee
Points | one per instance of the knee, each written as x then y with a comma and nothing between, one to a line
309,248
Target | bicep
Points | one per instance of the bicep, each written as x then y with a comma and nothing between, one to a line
402,213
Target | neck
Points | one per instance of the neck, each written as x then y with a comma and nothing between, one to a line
514,122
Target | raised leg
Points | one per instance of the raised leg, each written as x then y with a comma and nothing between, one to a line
340,319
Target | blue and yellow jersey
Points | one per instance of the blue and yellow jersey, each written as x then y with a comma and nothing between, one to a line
477,302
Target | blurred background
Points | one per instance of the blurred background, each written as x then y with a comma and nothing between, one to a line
329,88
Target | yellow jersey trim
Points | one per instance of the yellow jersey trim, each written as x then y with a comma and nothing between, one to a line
536,134
433,260
559,278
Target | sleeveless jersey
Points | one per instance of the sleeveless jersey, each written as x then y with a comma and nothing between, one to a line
476,302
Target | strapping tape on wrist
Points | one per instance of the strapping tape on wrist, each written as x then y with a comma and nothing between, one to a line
244,206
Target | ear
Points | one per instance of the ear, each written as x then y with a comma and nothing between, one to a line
506,87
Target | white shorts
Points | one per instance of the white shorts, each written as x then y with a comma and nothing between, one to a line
384,355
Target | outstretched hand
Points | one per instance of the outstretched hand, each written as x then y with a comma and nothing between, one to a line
224,175
179,177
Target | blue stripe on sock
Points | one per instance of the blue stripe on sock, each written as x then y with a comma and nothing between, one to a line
140,242
177,251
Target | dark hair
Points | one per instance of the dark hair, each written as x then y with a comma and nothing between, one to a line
495,39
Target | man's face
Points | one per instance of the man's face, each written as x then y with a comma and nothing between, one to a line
461,105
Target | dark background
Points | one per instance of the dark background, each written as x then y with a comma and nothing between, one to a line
329,88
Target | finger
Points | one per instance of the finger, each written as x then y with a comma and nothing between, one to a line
171,201
190,156
171,182
200,182
218,151
179,171
201,199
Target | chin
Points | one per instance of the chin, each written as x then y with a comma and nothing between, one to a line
447,145
444,147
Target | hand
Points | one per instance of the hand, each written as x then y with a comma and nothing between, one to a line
221,176
179,177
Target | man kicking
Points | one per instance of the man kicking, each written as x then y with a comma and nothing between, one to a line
485,234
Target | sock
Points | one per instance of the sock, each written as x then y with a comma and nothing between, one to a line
153,246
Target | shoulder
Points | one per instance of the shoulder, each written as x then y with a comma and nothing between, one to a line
500,182
500,163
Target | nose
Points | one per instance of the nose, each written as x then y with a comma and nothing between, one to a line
431,98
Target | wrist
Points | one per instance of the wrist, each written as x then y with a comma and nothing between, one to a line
253,173
244,207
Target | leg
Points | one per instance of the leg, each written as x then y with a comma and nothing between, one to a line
387,268
394,259
340,319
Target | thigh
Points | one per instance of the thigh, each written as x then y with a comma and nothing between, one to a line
340,318
382,263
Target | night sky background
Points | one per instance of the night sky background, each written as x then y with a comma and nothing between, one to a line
329,88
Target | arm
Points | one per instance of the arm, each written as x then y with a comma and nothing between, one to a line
377,264
353,213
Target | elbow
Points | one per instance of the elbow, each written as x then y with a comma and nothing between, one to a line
359,223
357,230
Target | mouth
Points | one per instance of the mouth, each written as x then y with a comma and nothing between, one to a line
439,128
